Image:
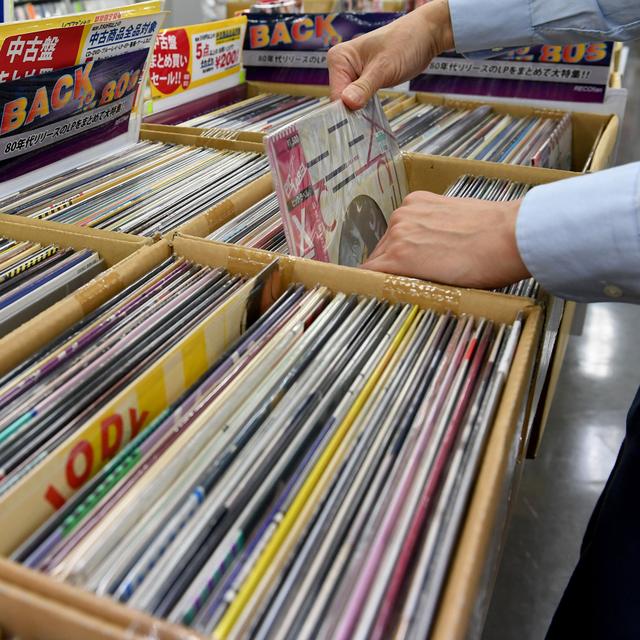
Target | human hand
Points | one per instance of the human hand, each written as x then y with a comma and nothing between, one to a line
458,241
389,55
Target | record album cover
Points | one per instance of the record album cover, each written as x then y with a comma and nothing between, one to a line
339,176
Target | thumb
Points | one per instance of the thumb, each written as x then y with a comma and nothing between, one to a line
360,91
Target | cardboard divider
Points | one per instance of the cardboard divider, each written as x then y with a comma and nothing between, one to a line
26,614
176,135
112,246
464,583
594,136
64,612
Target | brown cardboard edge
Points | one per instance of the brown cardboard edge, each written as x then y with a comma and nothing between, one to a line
214,254
496,306
177,136
459,596
100,611
32,616
171,128
39,331
441,171
603,153
112,246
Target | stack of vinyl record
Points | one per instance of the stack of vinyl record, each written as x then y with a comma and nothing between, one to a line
260,226
482,134
34,276
48,398
311,484
478,134
152,189
263,113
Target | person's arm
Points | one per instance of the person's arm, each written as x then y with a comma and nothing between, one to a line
580,238
506,23
398,52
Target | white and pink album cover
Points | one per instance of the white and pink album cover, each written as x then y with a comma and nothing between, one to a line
339,176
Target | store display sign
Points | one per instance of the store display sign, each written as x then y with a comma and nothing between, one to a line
293,48
573,73
196,56
69,84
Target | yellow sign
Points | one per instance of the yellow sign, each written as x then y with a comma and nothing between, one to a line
185,58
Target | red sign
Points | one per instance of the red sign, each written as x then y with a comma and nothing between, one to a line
39,52
170,64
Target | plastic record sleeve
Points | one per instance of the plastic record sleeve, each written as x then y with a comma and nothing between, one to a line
339,176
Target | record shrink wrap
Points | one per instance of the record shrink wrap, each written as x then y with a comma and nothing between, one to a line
339,175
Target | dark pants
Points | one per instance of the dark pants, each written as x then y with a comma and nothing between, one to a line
602,599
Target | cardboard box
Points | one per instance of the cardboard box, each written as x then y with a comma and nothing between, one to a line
593,140
594,136
436,174
28,592
114,248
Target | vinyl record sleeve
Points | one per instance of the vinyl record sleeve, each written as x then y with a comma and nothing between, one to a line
339,176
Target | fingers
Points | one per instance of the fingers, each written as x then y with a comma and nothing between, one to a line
383,264
352,78
341,71
380,247
360,91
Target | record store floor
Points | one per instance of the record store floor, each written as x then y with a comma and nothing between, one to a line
586,426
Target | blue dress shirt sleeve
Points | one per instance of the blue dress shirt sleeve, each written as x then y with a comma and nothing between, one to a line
484,24
580,238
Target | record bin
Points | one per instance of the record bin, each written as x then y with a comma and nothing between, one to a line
113,247
431,173
427,173
64,611
593,140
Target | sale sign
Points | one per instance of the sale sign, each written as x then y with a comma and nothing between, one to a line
69,84
195,56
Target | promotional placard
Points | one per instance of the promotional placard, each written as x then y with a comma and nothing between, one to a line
572,73
293,48
69,84
186,58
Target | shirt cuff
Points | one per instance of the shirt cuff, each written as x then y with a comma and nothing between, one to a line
580,238
486,24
